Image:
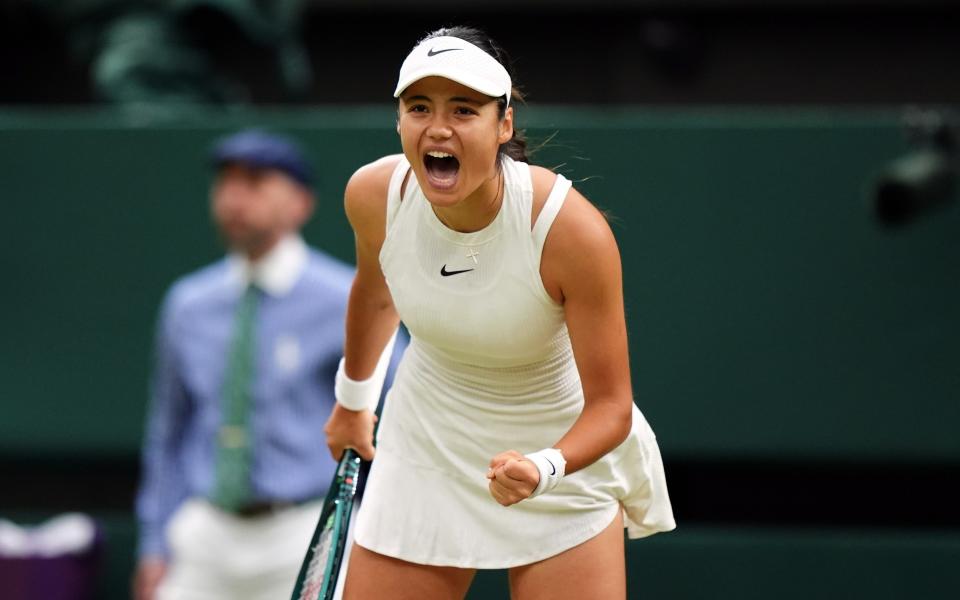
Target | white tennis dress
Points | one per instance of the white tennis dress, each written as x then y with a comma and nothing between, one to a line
489,368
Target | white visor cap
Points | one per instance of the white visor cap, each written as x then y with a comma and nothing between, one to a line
457,60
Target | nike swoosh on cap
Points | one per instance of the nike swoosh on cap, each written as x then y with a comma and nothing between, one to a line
446,273
432,52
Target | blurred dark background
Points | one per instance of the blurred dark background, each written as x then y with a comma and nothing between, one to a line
307,52
796,348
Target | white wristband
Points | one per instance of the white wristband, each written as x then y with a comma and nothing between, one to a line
363,395
552,466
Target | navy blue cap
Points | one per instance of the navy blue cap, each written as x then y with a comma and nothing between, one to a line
259,148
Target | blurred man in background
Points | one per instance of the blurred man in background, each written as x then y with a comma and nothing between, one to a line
235,463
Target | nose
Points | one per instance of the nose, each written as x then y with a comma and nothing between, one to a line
439,128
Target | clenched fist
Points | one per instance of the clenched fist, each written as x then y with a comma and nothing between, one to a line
512,477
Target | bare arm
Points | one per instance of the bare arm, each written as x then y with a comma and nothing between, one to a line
581,269
371,317
582,257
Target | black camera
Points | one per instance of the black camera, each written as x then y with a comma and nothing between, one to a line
923,180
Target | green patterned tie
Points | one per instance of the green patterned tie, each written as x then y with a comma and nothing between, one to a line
232,489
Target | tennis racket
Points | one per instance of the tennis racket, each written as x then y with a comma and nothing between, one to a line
321,565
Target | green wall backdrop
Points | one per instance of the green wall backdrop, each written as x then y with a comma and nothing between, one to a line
768,313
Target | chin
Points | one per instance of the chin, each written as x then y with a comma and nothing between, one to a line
441,198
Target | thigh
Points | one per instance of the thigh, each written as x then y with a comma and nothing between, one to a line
594,569
195,571
275,553
215,555
373,576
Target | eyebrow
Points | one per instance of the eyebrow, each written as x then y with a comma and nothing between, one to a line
467,100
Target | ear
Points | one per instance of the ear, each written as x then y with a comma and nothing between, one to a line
306,203
506,127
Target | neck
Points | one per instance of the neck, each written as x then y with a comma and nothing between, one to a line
476,211
255,252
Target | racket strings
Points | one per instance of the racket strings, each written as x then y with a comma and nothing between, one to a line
316,571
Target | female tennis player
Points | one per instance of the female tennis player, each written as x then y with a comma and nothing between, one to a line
509,439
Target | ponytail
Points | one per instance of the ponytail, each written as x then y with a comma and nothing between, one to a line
516,146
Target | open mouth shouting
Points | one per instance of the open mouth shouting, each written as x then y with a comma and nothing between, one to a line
442,169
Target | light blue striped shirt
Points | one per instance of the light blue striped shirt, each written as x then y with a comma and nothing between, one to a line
299,333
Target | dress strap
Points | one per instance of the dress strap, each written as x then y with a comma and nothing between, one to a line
549,211
393,190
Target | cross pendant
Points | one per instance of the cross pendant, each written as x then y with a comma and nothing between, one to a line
473,254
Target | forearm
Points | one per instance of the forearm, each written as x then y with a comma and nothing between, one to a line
151,542
371,322
162,486
601,427
161,491
371,327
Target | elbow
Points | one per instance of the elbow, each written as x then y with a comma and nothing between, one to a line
371,296
622,421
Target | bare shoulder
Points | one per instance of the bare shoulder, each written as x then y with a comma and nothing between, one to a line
579,241
579,220
542,179
366,192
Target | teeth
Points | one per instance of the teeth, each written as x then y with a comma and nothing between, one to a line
438,154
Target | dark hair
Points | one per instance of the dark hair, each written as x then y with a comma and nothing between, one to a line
516,146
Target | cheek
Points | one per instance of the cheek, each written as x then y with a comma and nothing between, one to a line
408,145
408,137
482,154
283,212
220,208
